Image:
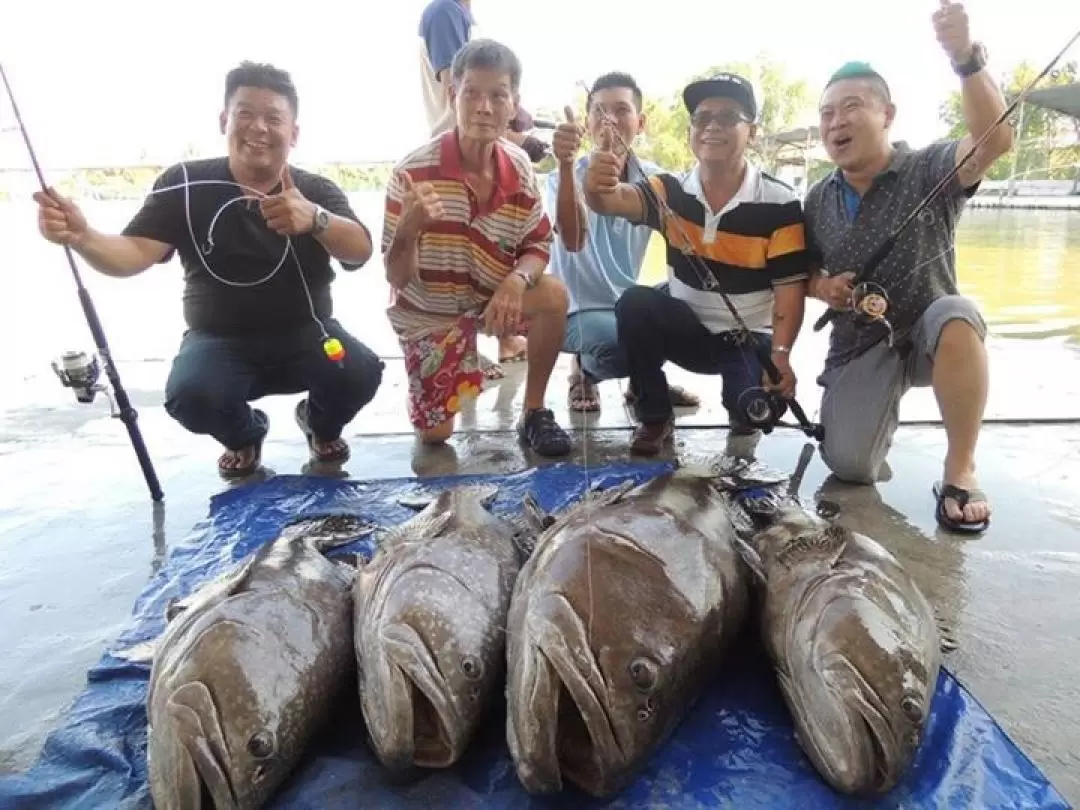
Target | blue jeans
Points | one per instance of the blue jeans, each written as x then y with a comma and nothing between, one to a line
655,328
592,335
214,377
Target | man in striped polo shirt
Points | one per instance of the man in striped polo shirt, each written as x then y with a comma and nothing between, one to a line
736,240
465,242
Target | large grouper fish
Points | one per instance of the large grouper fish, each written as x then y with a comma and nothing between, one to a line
430,634
620,617
248,669
855,644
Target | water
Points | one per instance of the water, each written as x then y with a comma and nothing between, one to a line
1023,268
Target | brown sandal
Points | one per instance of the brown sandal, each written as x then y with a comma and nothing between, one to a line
582,396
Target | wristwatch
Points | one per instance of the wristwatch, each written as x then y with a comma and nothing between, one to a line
975,63
322,220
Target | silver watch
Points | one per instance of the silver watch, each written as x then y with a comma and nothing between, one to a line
322,220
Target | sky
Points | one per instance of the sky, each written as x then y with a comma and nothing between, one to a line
113,82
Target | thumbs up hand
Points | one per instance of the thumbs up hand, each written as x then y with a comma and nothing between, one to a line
420,206
951,27
566,141
288,212
605,167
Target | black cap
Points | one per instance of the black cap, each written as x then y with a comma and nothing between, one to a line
721,85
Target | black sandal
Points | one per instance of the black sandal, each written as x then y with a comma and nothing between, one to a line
962,497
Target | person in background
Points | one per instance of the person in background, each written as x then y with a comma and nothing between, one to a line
465,242
937,334
445,27
598,257
251,331
746,241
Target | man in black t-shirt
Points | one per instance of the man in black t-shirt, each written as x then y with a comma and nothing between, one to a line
255,238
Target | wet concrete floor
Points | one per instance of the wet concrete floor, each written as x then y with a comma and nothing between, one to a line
79,536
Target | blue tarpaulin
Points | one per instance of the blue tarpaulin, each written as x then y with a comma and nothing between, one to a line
736,749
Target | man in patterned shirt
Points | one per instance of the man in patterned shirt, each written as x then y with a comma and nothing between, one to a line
937,335
465,242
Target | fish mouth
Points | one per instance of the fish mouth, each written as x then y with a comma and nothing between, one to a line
188,760
847,733
428,729
561,722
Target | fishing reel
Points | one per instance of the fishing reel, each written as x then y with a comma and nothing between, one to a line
760,409
869,301
81,373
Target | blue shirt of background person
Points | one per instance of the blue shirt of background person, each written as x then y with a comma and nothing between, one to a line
598,262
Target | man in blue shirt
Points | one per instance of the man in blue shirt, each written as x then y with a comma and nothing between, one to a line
597,257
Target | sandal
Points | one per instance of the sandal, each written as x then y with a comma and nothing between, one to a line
490,370
230,473
338,453
962,497
519,356
582,395
679,396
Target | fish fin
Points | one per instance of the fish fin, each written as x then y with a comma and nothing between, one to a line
212,591
830,539
326,532
524,540
751,557
535,514
418,499
423,525
141,653
192,709
485,493
946,641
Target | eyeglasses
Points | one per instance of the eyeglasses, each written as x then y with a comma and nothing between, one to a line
723,118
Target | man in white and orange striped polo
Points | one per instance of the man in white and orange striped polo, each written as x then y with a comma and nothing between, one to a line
466,243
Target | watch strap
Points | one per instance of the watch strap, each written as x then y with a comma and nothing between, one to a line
975,62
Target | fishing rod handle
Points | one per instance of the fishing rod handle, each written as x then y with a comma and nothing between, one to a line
807,427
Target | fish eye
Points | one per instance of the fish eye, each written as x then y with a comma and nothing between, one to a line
912,707
471,667
261,745
643,673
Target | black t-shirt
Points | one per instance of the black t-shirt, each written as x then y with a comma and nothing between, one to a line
240,249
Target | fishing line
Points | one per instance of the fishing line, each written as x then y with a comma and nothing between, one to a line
332,347
756,404
126,413
879,296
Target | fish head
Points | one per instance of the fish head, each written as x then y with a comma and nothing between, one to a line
430,661
598,678
196,751
862,715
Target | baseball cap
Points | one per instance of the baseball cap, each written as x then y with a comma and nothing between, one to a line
722,85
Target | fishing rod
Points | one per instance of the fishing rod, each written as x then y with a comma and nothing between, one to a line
879,305
75,370
760,409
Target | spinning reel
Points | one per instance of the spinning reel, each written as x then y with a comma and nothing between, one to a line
760,409
870,303
82,373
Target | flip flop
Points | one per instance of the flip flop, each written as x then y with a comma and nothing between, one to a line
582,396
962,497
322,456
233,473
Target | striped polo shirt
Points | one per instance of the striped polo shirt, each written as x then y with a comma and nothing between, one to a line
467,254
757,241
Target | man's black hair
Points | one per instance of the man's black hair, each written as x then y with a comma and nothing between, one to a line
610,81
487,54
264,76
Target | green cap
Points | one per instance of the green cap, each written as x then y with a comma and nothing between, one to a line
857,70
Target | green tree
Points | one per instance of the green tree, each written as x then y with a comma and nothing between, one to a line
1037,152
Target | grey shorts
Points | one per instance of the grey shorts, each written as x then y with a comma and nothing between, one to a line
860,408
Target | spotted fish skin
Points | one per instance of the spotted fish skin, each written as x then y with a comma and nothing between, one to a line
855,645
430,634
249,668
620,617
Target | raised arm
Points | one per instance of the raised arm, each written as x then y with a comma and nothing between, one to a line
605,193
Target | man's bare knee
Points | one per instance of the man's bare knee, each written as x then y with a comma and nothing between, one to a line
438,434
548,298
